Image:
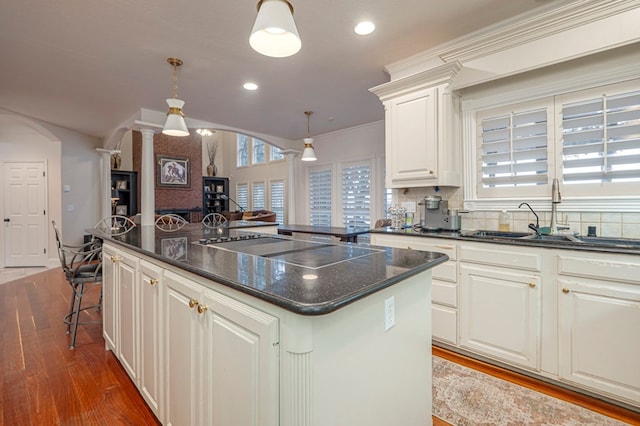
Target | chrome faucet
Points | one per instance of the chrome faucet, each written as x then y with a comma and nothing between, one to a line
555,200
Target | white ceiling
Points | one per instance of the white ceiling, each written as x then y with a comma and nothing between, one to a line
90,65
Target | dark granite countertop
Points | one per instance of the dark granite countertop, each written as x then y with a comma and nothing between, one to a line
314,290
461,236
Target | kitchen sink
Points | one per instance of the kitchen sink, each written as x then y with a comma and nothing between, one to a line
563,239
497,234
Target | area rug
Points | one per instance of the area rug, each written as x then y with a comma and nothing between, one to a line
462,396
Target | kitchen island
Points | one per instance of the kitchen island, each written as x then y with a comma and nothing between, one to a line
224,326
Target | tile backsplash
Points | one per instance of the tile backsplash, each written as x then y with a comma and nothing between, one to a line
608,224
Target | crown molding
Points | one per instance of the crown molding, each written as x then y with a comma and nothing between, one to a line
513,33
442,74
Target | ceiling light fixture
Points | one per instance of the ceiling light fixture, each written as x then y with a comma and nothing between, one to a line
175,124
274,33
308,154
250,86
364,28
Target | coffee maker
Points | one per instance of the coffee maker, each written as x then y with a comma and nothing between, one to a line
435,215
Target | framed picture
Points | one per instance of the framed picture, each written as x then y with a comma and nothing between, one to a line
174,248
121,184
173,172
121,210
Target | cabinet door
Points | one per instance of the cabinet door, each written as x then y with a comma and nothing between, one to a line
599,336
183,338
109,294
500,314
150,336
412,139
241,362
127,268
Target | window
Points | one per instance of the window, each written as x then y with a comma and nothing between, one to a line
258,151
356,198
601,140
242,144
276,153
320,197
588,139
276,194
512,150
242,195
257,196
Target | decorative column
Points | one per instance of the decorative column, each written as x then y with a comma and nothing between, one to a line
106,207
291,185
147,182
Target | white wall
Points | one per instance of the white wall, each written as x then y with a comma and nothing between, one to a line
71,159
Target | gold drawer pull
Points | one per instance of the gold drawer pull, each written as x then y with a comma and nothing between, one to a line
565,290
445,247
202,308
153,281
532,285
193,302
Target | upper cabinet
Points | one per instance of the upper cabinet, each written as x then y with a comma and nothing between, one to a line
422,129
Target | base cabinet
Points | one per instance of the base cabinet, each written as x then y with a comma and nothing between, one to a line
599,305
150,338
221,358
501,315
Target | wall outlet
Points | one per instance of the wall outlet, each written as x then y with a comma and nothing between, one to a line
389,313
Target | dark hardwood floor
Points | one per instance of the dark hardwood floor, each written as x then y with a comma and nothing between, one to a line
44,383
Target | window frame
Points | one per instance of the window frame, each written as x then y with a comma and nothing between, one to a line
603,200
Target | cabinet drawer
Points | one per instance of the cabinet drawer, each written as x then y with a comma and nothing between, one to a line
599,268
444,293
510,258
444,324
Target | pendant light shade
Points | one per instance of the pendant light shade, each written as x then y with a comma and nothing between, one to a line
274,32
309,153
175,124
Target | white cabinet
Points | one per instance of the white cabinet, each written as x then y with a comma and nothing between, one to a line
183,345
119,307
109,305
240,364
422,129
500,306
444,290
221,358
150,337
127,330
599,304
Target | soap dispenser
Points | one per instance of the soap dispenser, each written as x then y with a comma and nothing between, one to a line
504,222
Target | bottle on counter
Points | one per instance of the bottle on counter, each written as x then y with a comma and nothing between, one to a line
504,221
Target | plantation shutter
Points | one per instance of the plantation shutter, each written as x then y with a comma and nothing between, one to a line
277,199
320,197
601,139
242,196
258,196
356,195
513,149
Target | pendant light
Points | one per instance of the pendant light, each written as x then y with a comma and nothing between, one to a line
308,154
175,125
274,33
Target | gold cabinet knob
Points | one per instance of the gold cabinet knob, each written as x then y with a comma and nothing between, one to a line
532,285
193,302
153,281
202,308
430,172
565,290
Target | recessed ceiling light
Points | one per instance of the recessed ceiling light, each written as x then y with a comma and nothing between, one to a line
250,86
364,28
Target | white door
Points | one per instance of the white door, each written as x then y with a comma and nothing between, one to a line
25,241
